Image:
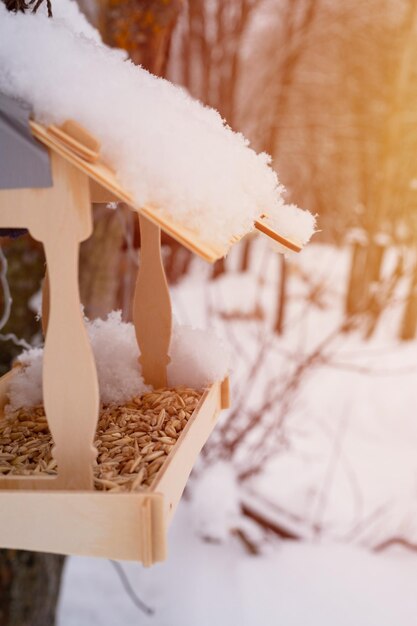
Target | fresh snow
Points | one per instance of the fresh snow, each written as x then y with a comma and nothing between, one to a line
291,584
215,522
198,358
292,220
168,150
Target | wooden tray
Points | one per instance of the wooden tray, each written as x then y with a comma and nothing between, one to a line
129,526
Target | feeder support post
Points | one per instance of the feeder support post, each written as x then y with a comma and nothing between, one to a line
70,386
60,217
152,315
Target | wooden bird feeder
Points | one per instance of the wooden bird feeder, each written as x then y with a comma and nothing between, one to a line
64,514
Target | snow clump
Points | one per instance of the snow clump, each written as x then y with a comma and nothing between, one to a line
198,358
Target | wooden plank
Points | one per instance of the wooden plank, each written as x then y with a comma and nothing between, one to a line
76,138
116,526
152,315
266,229
171,480
70,386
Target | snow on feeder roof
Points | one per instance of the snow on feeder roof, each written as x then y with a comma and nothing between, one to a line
161,151
111,130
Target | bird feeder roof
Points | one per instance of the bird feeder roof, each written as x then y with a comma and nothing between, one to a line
142,139
82,150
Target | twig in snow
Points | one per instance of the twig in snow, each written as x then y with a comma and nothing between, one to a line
366,522
323,496
395,371
283,399
140,604
395,541
254,514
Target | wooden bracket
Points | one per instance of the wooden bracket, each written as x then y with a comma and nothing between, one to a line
266,229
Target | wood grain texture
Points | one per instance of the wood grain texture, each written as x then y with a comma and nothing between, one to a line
116,526
77,139
60,217
152,315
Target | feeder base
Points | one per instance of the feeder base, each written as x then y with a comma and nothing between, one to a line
126,526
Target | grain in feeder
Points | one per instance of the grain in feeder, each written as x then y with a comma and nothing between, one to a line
66,163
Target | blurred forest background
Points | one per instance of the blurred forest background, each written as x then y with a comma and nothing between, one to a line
328,89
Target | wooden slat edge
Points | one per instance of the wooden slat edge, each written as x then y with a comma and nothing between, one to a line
72,143
172,478
159,531
145,528
152,529
225,393
208,252
270,232
128,526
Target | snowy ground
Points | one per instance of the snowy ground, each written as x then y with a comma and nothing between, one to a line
348,476
294,584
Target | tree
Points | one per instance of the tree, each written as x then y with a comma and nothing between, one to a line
142,27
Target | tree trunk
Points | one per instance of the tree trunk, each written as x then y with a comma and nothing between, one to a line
356,291
29,587
246,246
100,258
408,327
142,27
218,268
